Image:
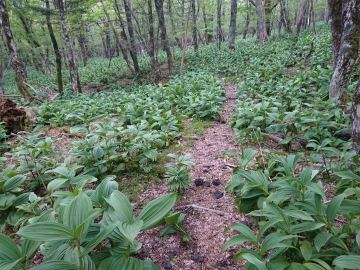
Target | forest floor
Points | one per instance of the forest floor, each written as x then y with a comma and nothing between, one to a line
205,226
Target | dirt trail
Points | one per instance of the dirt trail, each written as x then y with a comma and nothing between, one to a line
205,227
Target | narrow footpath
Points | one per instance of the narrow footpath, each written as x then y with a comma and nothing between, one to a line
206,226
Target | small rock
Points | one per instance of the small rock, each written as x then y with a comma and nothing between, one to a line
216,182
198,258
223,167
199,182
207,184
167,265
205,171
218,194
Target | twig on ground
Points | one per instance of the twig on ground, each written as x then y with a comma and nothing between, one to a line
203,208
230,165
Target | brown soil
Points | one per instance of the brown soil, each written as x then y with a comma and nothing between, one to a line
205,227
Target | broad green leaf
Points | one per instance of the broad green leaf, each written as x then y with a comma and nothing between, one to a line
151,154
278,263
122,206
149,265
173,219
296,266
298,214
9,248
236,240
45,231
285,141
251,257
119,262
305,176
94,213
28,247
275,240
322,263
321,239
8,265
56,183
348,261
56,265
333,207
266,226
317,189
231,153
130,231
306,226
156,210
306,250
348,175
77,211
98,152
62,170
313,266
14,182
245,230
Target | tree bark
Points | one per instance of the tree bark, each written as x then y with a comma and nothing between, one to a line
193,17
130,26
335,17
153,61
83,48
208,22
247,20
56,48
285,19
218,28
232,27
348,52
74,76
267,10
2,60
263,35
160,12
19,70
313,16
178,42
300,16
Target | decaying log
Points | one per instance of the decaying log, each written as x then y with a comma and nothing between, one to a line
15,117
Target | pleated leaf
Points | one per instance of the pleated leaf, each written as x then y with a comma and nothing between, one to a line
348,261
45,231
122,206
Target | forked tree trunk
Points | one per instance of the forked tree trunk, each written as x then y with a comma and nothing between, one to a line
335,17
218,28
348,52
74,76
300,16
130,26
261,29
56,48
232,28
160,12
19,70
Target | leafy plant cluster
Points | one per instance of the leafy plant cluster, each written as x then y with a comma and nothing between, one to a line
298,224
4,145
184,95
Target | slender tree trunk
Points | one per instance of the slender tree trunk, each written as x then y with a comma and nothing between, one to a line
19,70
300,16
74,76
313,16
267,10
218,28
208,21
160,12
263,35
247,20
56,48
2,60
173,28
348,52
153,61
285,18
232,28
130,26
83,48
335,17
193,17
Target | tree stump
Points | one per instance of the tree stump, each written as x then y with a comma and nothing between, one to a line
15,117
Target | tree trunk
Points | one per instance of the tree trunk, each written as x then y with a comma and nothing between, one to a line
267,10
2,60
160,12
285,18
300,16
218,28
130,26
178,42
232,28
263,35
56,48
153,61
348,52
313,16
335,17
208,21
247,20
19,70
74,76
193,17
83,48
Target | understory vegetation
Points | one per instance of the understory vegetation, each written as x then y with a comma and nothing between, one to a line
303,194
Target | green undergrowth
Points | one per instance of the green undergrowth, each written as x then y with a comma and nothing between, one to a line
300,222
